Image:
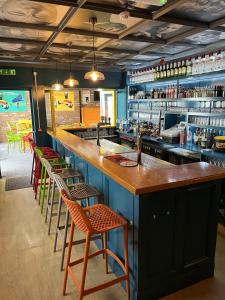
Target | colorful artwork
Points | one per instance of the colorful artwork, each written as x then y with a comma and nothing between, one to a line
63,100
13,101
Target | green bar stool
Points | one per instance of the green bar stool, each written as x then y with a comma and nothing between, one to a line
55,163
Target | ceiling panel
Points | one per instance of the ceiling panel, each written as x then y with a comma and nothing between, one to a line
24,33
147,57
201,10
64,51
206,37
79,40
31,12
18,47
162,30
109,55
171,49
105,22
123,44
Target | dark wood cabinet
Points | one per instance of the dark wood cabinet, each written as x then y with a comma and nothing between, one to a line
177,232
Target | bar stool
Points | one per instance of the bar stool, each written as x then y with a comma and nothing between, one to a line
48,153
77,192
56,161
66,174
59,166
91,220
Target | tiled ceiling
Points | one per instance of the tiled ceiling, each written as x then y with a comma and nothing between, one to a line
42,31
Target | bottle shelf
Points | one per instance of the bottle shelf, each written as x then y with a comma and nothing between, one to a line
197,99
147,110
187,78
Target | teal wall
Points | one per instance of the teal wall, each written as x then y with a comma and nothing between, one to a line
121,104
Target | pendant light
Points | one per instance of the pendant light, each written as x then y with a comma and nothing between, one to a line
57,86
71,81
94,74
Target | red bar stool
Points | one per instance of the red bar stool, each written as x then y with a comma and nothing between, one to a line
94,219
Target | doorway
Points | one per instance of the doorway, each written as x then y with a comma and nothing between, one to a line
15,125
108,105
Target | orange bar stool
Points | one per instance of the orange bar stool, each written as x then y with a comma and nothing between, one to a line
94,219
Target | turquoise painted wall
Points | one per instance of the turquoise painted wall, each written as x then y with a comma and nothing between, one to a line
121,104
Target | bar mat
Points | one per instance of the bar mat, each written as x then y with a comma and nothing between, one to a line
16,183
118,158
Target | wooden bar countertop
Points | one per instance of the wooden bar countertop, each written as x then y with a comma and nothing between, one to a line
140,180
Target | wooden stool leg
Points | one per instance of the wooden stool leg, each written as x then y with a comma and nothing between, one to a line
126,259
106,255
68,257
64,238
84,271
58,221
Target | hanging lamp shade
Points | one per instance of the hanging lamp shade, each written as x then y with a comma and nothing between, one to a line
57,86
71,81
94,75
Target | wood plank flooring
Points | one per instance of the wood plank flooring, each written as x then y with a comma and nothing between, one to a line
29,269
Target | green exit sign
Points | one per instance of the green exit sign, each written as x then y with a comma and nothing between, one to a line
6,72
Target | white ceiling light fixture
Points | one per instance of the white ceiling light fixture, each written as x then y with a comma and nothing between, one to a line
94,74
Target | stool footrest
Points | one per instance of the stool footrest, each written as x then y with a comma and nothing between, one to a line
97,287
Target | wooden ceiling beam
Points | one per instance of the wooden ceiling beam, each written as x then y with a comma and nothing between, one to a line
167,8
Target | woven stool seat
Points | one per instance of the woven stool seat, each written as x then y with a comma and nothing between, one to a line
67,173
102,218
82,190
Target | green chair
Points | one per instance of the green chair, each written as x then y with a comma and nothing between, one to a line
13,139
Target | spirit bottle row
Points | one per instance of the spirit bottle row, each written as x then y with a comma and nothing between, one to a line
171,92
196,65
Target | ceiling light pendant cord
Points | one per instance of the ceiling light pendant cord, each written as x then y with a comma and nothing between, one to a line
69,61
93,24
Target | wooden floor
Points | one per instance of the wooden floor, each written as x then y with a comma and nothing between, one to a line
29,269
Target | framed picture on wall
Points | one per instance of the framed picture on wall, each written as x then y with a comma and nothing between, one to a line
85,96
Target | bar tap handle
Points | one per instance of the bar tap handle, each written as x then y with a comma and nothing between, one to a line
98,134
109,120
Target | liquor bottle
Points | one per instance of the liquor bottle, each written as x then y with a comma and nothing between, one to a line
168,73
203,138
189,67
179,68
176,71
172,70
184,68
157,73
164,71
189,135
154,73
161,72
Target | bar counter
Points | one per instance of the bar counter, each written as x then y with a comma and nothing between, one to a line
171,210
141,180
